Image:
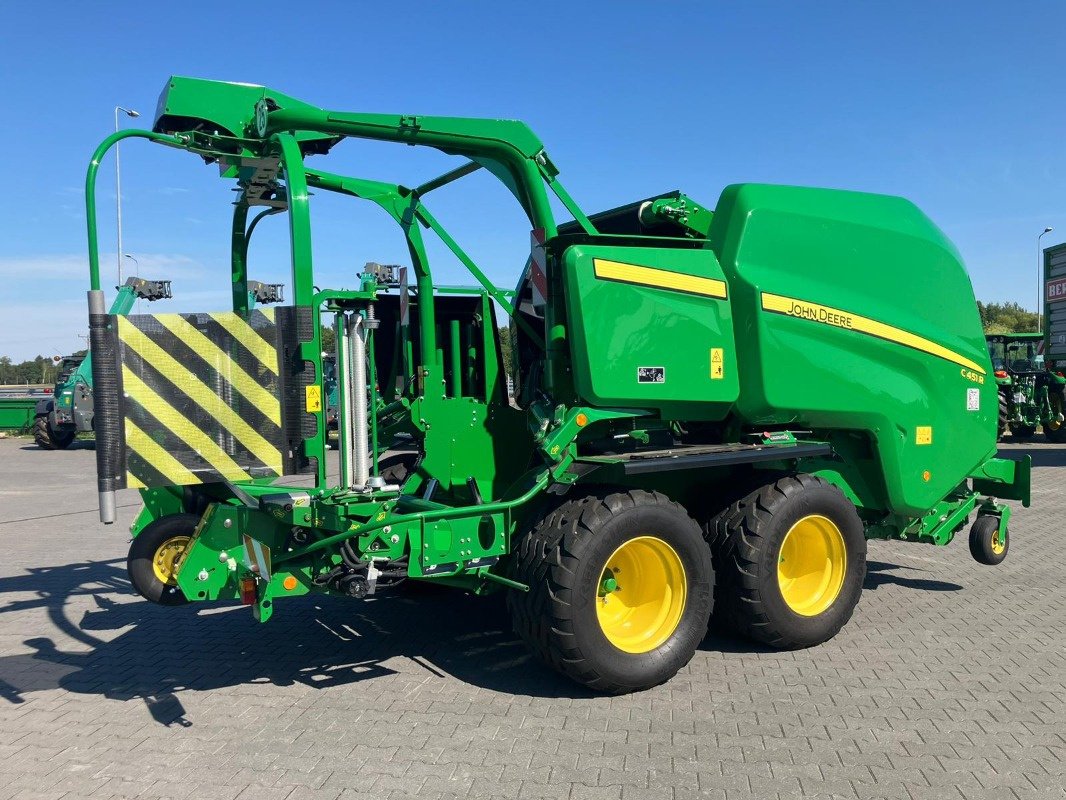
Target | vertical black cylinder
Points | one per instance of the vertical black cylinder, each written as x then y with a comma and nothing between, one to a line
107,419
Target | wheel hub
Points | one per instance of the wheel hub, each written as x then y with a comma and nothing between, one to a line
998,545
167,559
641,595
811,565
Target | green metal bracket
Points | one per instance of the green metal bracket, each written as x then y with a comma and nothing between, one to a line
1006,478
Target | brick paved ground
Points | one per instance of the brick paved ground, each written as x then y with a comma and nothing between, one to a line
950,681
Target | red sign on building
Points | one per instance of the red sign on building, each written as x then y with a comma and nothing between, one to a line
1055,290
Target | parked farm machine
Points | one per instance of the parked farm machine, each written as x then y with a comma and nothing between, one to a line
714,409
71,408
1030,394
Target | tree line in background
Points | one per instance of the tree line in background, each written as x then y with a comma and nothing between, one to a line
995,317
37,370
1006,318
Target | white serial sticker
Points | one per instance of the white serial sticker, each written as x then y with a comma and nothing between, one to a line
973,399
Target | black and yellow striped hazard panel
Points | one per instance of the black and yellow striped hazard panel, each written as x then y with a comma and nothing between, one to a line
201,398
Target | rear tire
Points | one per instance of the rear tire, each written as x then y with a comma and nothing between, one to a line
155,556
48,438
1004,416
775,584
620,590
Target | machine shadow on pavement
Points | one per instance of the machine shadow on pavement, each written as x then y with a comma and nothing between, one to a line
125,648
78,444
880,573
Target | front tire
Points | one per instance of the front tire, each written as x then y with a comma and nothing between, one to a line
155,557
621,586
790,559
48,438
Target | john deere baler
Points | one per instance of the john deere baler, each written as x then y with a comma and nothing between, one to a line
702,413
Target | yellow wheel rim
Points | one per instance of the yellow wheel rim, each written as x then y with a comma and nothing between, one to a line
811,565
167,559
641,595
998,544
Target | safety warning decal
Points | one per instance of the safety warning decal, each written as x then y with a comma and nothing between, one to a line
923,434
973,399
717,363
313,399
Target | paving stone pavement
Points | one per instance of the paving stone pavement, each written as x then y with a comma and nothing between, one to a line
950,681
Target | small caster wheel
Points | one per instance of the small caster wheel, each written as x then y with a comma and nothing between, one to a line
987,544
155,556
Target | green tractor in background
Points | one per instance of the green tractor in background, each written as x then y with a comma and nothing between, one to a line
1029,394
70,410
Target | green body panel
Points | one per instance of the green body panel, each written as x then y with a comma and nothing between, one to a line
872,349
651,328
872,257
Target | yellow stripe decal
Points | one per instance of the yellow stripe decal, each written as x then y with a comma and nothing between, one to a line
246,335
222,363
659,278
162,461
826,315
192,386
178,425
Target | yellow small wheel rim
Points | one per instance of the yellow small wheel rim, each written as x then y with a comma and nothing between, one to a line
641,595
167,559
998,544
811,565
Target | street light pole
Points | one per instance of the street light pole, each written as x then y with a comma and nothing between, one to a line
118,188
137,273
1040,277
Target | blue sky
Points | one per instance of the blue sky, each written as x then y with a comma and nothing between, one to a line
955,105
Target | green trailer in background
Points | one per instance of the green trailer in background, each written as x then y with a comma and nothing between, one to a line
18,407
1030,394
714,409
